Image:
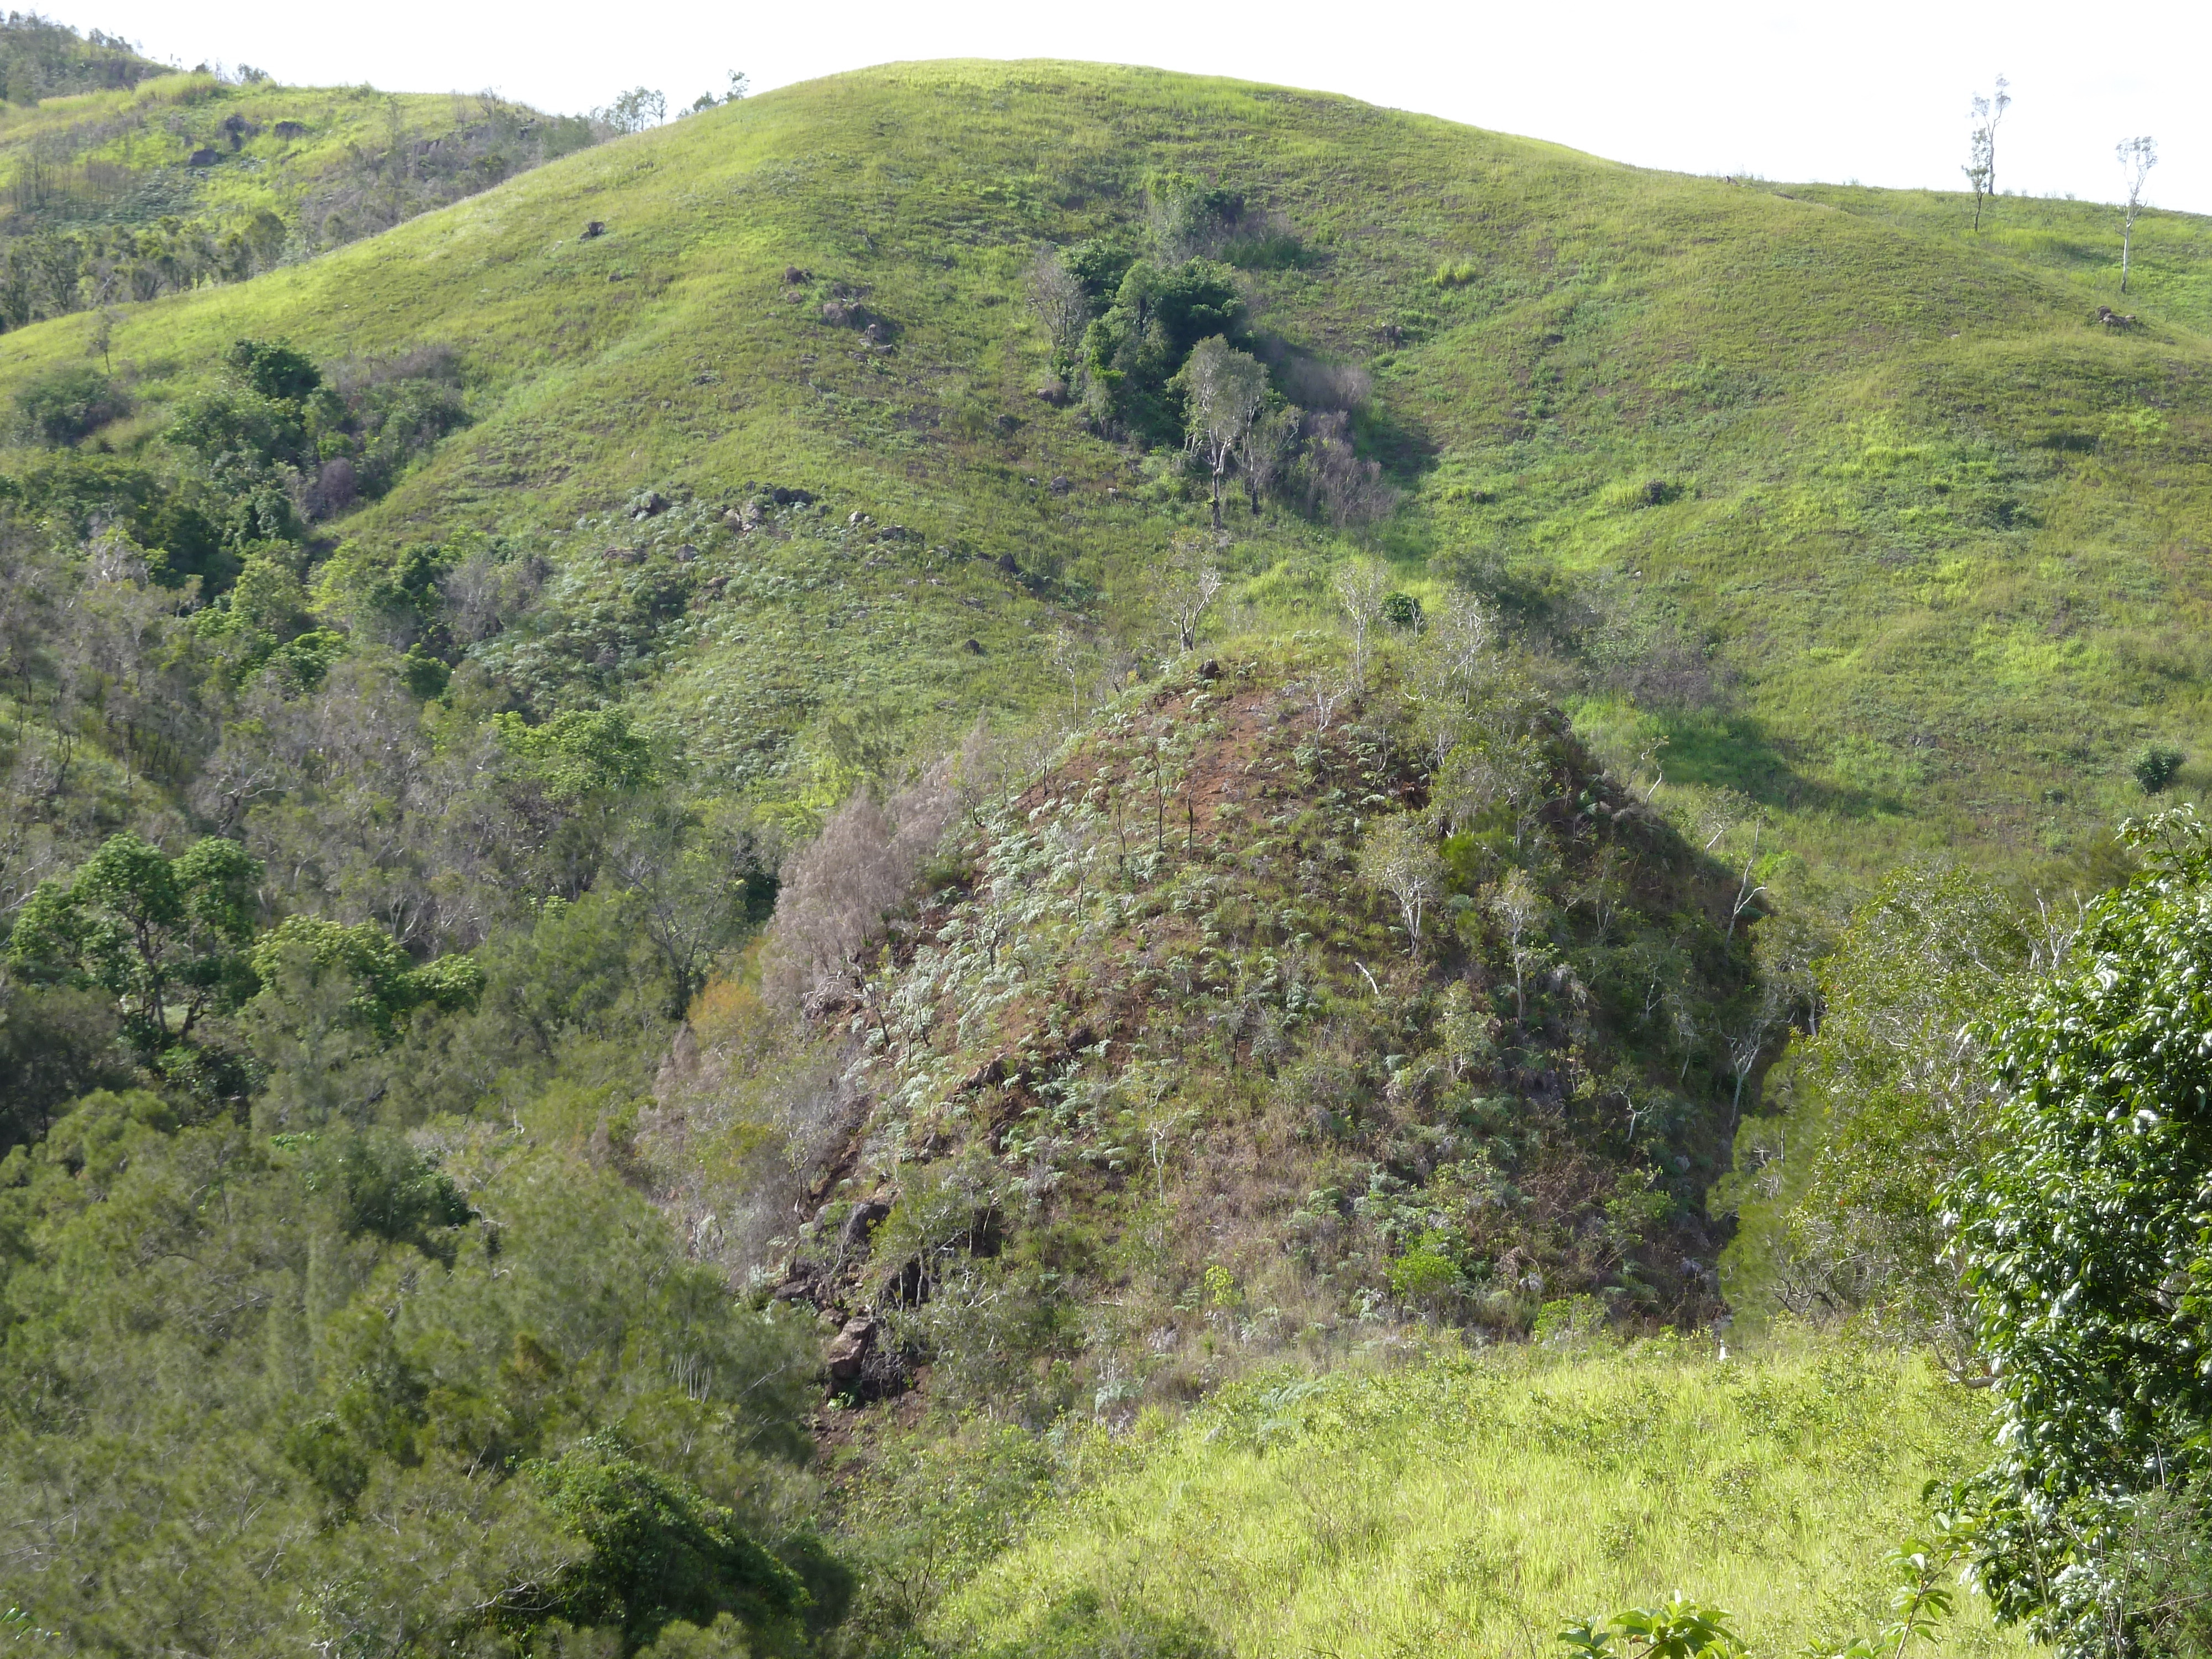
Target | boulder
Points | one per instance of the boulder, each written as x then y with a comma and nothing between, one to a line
848,1349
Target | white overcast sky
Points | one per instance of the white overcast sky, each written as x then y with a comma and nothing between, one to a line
1875,92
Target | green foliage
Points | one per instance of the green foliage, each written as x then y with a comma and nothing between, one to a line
1682,1629
273,370
1083,1627
2083,1231
1159,313
388,986
165,937
2155,766
658,1552
69,405
324,1389
1886,1101
581,753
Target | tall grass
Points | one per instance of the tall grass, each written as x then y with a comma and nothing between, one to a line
1470,1502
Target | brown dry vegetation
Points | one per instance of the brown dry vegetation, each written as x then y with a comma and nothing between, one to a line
1138,1082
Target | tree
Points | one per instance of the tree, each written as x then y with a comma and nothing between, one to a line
1981,169
165,938
1062,304
634,111
1398,857
2137,157
1519,906
1361,586
1191,583
1224,392
2086,1232
1265,451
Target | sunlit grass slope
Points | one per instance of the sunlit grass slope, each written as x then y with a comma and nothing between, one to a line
1471,1505
1926,565
124,157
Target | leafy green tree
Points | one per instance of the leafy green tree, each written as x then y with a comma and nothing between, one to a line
1225,391
273,370
333,1000
2086,1232
165,937
1159,312
2155,766
659,1551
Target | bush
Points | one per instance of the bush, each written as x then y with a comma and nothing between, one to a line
69,405
2155,766
1083,1627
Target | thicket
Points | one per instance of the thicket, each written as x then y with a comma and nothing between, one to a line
1154,346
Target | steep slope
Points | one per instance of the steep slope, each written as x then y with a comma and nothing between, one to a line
1865,520
1257,1020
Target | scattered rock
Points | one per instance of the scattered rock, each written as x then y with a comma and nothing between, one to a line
849,1348
686,553
804,1283
856,519
830,998
594,228
990,1071
1060,486
867,1215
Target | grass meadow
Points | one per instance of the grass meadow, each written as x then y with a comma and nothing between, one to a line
1472,1503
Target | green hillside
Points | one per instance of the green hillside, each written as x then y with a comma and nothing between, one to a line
1049,860
1863,514
122,179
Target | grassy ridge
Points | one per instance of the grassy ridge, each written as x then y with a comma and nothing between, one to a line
1920,570
1473,1504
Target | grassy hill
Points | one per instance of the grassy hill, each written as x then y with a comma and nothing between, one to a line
1861,515
122,179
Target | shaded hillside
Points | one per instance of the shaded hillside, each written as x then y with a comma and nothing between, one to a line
1867,521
